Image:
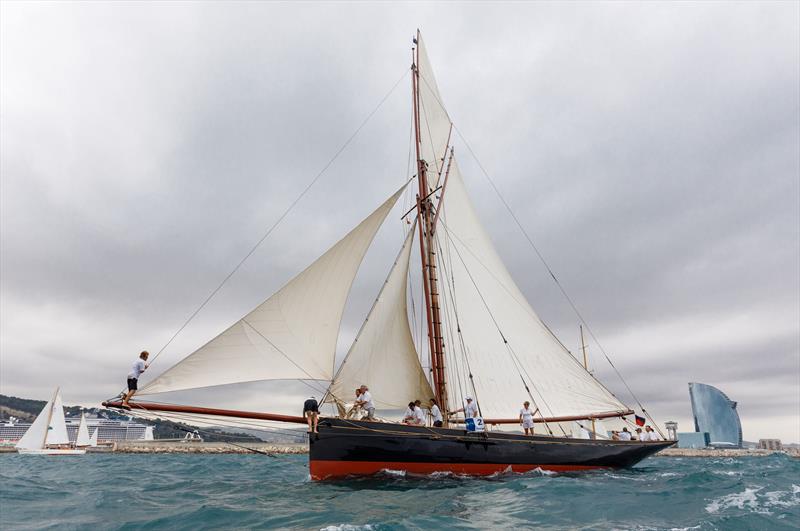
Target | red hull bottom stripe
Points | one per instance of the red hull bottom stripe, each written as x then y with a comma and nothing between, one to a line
338,469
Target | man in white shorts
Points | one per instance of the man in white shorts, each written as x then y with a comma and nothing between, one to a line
526,417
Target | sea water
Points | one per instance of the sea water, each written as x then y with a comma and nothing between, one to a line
191,491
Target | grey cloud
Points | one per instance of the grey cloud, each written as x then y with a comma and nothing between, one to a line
650,150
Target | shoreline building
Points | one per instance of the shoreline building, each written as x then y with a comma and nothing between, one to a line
716,420
108,430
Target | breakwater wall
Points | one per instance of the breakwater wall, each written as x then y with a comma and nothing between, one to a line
725,452
196,447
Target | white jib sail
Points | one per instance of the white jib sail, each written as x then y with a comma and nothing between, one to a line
83,438
383,354
57,430
434,121
93,438
292,335
34,438
485,293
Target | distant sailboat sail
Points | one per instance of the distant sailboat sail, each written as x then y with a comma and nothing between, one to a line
36,436
47,435
83,438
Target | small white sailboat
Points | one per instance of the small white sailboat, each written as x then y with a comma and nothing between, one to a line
83,439
48,433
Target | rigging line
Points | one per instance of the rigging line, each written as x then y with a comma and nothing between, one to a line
447,262
281,217
455,371
496,324
406,244
525,307
552,275
194,417
189,418
273,345
462,344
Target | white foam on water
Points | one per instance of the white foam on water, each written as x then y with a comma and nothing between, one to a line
668,474
783,498
394,473
740,500
347,527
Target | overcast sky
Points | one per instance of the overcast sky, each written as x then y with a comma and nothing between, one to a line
650,150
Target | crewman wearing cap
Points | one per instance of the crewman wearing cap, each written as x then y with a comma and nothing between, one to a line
470,408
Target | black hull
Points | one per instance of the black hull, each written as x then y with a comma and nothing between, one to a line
347,448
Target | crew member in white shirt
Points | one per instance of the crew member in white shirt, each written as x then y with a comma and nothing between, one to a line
470,408
624,435
138,368
436,414
365,401
419,415
650,434
408,416
526,417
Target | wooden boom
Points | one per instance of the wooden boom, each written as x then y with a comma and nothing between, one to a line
151,406
175,408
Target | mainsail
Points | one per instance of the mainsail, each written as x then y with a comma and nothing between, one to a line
502,343
383,354
290,336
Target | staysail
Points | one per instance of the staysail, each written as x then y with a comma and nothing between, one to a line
290,336
504,341
383,354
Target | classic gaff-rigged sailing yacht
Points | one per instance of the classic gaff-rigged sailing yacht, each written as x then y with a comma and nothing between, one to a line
483,340
48,433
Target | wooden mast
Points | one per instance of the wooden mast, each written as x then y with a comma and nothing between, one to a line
428,251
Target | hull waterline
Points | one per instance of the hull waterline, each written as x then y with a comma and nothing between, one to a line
50,451
356,448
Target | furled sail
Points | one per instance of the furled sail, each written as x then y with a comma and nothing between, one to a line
383,354
434,120
478,289
292,335
35,436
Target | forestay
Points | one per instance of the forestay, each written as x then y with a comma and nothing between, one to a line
485,298
292,335
383,354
